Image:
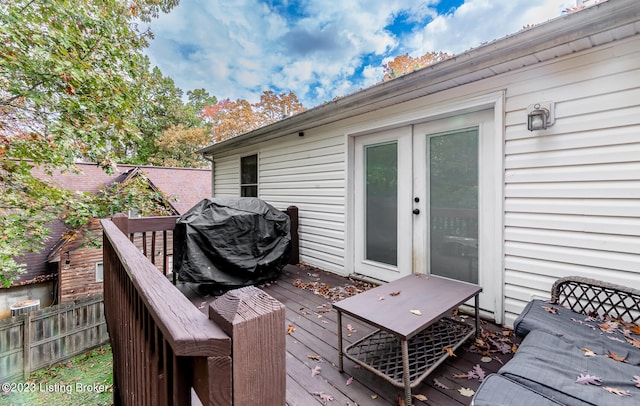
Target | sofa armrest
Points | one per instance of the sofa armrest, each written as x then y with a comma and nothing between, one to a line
597,298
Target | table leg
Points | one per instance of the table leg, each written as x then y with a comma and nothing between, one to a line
477,315
405,368
340,366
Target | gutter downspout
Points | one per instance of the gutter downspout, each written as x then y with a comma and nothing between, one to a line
210,159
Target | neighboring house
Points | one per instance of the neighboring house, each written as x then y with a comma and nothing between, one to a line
69,267
437,172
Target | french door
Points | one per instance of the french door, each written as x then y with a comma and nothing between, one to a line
383,214
424,198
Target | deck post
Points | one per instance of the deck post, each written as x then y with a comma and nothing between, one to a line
256,323
122,222
294,258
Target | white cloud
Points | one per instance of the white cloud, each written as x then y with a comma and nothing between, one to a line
238,49
479,21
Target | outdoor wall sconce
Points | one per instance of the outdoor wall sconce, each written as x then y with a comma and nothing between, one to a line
68,260
540,116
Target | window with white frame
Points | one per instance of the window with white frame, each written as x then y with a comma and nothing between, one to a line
249,176
99,272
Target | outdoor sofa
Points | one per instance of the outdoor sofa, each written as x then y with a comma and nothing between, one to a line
580,348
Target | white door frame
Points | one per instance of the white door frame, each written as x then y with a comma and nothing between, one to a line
494,101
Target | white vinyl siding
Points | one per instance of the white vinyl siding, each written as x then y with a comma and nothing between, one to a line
308,172
572,192
226,176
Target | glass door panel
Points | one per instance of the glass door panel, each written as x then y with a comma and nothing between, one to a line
453,204
381,203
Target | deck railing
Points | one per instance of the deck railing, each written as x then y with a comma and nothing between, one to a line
154,237
165,350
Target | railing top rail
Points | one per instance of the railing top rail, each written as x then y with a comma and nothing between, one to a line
148,224
189,331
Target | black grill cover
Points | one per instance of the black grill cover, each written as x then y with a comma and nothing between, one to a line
230,242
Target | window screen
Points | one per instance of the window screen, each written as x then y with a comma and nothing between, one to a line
249,176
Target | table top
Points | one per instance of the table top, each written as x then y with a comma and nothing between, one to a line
408,305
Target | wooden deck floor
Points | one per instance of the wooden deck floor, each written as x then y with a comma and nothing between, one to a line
315,335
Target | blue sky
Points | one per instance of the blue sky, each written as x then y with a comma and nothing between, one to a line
321,49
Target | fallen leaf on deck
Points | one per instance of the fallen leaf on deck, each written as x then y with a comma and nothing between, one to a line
476,373
617,391
588,352
400,400
334,293
394,293
351,330
635,329
466,392
450,351
416,312
439,384
486,359
374,397
421,397
380,298
314,357
550,309
323,396
589,380
350,381
636,380
616,357
480,373
291,329
316,371
609,326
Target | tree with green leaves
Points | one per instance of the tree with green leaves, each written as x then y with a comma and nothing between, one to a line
71,83
161,109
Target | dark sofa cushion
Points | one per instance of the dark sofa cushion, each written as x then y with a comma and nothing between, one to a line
550,365
497,390
583,331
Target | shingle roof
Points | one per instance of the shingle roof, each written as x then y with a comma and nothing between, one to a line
184,187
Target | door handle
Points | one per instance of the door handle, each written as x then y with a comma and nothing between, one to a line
416,211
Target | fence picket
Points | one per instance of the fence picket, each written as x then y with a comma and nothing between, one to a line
45,337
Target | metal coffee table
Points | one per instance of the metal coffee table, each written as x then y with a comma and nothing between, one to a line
413,331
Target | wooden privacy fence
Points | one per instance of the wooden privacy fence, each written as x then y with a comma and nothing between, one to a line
45,337
164,348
